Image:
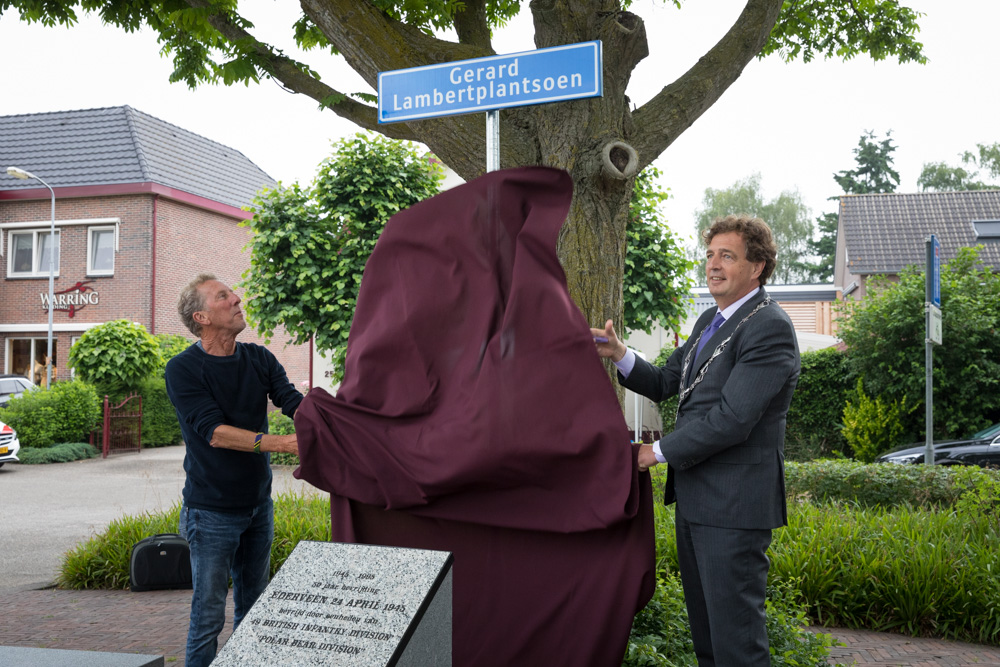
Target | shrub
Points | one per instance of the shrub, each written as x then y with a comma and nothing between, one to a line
160,427
170,346
115,356
667,408
103,560
42,417
661,634
815,417
885,336
280,424
879,484
979,502
62,453
873,426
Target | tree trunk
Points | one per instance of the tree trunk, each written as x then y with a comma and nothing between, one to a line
601,142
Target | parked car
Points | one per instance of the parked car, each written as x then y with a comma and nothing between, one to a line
12,386
9,445
982,449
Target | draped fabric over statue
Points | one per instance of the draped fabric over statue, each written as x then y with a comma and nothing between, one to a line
475,417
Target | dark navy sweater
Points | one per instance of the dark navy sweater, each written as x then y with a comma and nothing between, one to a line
208,391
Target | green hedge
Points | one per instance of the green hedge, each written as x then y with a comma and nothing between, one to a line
42,417
816,414
160,427
882,484
62,453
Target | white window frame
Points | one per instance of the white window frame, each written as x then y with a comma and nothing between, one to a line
35,342
91,270
35,250
45,226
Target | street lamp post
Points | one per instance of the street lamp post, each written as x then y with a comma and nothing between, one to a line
23,175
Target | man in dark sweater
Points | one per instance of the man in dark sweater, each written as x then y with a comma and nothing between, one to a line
220,389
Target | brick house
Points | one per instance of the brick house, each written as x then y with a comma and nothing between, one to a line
880,234
141,207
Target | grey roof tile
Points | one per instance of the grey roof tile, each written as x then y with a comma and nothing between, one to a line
118,145
884,233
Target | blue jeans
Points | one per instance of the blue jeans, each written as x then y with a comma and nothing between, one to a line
224,545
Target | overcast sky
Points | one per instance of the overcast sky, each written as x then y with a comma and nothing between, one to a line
795,124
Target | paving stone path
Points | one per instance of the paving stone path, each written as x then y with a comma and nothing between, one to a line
155,622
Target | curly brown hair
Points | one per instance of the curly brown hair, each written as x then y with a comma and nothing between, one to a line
756,235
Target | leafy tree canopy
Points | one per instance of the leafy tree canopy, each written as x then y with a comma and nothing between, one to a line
657,270
210,41
874,173
885,337
309,245
940,177
786,214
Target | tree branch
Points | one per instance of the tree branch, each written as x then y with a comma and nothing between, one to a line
372,42
472,26
675,108
296,78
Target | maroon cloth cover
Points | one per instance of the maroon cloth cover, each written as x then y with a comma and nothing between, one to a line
475,417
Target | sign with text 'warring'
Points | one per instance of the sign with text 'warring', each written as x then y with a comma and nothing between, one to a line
555,74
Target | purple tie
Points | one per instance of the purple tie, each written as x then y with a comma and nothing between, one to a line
709,332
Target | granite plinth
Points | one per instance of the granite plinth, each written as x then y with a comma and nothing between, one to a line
349,604
20,656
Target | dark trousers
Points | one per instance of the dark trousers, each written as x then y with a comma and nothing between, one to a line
724,573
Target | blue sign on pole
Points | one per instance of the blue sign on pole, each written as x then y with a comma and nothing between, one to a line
555,74
936,272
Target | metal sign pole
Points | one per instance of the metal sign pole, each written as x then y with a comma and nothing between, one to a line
929,391
492,140
932,320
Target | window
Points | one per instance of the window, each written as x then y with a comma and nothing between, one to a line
101,251
31,251
986,229
26,356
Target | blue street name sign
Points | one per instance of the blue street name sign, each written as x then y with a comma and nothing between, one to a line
935,269
555,74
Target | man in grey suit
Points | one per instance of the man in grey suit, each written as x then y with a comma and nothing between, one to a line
734,377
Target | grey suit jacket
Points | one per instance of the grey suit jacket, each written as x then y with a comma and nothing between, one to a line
726,453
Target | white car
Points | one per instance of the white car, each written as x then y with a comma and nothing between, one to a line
12,386
9,445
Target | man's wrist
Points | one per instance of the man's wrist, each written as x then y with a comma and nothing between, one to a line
620,352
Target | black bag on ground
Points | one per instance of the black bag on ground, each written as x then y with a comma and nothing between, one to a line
160,562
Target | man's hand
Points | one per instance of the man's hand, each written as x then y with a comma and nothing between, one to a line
608,345
288,444
647,459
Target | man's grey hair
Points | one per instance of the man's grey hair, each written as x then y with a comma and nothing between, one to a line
191,301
